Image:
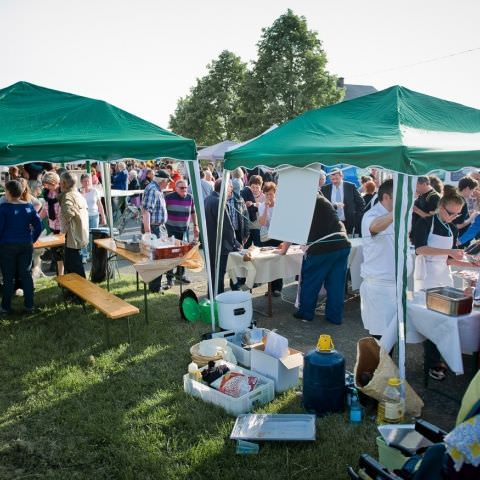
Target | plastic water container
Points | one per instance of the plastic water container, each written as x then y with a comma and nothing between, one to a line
324,379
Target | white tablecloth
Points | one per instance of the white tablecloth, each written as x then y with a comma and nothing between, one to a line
452,335
265,267
355,260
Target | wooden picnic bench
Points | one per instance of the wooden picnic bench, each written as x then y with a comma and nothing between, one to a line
105,302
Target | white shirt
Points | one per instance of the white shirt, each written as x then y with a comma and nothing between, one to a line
337,197
378,250
92,198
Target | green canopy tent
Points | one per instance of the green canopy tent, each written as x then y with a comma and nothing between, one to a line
397,129
44,125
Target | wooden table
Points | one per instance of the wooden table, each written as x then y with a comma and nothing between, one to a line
132,257
50,241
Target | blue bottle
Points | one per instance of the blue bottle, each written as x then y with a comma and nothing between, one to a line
355,408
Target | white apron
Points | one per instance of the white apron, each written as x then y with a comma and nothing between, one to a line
432,270
378,304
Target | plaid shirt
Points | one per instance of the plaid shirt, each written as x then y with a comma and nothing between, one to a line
154,202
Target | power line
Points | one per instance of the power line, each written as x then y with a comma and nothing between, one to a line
422,62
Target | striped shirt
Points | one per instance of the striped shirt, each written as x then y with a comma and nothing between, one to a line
180,210
154,202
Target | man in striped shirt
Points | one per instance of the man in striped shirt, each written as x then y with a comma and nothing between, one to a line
154,212
181,210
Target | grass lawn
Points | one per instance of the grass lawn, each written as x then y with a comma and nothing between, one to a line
125,416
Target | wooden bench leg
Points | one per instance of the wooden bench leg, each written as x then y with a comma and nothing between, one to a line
107,331
145,302
138,283
129,330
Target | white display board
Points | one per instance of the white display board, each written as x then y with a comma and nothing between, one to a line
294,204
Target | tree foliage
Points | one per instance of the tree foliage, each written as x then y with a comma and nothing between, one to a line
288,78
210,113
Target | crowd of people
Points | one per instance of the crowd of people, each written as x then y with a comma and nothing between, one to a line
444,221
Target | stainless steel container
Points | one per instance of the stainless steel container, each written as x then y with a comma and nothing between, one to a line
448,300
129,241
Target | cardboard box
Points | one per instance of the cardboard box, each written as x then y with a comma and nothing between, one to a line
285,372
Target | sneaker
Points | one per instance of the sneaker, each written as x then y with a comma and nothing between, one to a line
277,293
437,373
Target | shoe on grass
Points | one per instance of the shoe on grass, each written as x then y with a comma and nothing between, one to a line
301,317
184,280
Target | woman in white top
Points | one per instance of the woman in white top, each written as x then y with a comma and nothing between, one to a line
95,209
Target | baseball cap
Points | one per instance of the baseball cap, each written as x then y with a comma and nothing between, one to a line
162,174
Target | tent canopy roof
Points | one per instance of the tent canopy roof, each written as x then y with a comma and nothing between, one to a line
397,129
40,124
215,152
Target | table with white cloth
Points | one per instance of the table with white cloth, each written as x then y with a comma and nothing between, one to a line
355,260
451,335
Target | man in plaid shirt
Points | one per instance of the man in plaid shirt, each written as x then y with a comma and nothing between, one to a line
154,212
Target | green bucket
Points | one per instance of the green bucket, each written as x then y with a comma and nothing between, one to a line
205,314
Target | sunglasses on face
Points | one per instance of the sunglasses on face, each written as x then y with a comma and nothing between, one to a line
452,214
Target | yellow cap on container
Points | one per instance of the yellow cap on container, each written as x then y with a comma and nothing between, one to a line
394,382
325,343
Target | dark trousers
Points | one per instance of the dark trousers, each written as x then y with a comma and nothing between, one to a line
73,261
16,260
178,234
254,238
432,355
221,272
328,269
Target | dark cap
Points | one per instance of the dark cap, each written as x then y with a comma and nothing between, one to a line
162,174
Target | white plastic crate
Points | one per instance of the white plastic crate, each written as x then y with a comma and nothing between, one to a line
264,392
243,355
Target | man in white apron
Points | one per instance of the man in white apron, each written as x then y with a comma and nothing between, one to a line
435,239
377,292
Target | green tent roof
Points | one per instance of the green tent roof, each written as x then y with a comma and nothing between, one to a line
40,124
396,128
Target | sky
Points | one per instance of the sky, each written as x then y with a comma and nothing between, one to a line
143,55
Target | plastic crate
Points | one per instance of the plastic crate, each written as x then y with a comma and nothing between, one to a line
263,393
242,354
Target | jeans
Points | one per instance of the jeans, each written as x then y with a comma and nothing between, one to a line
73,262
92,223
328,269
16,260
154,285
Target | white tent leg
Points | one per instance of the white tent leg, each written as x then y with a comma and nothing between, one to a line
221,213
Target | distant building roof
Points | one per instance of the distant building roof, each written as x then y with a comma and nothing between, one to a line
355,91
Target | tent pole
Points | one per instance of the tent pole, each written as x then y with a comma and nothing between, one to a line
221,213
194,173
403,194
108,195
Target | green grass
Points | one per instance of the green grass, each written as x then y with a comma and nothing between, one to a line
126,415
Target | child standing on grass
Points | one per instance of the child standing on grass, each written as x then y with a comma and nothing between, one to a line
20,227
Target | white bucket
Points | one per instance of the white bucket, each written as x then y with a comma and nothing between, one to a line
234,310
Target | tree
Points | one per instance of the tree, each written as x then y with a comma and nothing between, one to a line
288,78
210,114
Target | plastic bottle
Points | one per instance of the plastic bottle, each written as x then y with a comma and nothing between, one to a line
355,408
192,370
391,408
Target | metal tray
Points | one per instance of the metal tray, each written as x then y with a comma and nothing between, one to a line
448,300
275,427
